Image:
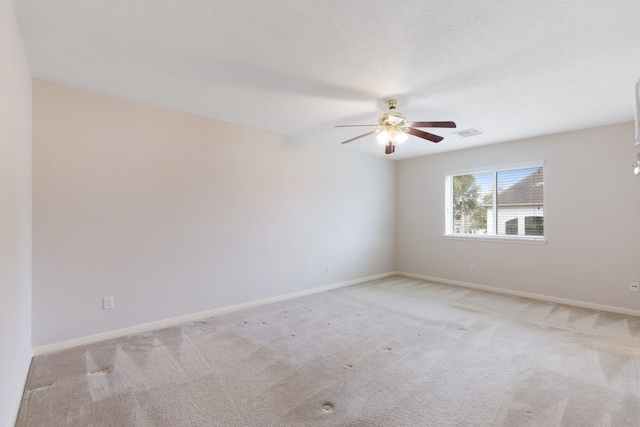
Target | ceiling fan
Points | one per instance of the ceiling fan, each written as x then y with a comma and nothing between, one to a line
392,129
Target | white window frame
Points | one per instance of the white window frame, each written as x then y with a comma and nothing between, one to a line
448,205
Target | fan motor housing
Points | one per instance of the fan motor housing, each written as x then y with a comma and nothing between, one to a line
392,119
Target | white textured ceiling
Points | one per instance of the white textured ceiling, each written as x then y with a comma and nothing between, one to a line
510,69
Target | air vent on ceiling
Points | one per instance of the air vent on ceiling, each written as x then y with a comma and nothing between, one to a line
466,133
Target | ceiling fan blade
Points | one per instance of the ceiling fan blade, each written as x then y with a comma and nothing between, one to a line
425,135
353,126
358,137
433,124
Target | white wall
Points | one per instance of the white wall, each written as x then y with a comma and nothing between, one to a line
174,214
15,215
592,219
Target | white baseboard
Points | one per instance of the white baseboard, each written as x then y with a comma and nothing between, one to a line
49,348
575,303
215,312
15,408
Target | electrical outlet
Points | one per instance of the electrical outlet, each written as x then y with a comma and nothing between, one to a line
633,286
326,268
107,303
472,267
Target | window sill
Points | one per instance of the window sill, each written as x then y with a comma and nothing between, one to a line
498,239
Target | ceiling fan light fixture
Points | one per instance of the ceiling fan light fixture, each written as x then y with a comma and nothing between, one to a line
392,134
400,136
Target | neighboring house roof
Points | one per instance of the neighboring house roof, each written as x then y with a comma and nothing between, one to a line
527,191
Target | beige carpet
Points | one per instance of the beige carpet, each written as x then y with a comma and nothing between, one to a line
392,352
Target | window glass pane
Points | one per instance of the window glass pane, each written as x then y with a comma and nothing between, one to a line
519,196
470,195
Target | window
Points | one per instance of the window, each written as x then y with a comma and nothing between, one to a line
506,201
511,226
533,226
